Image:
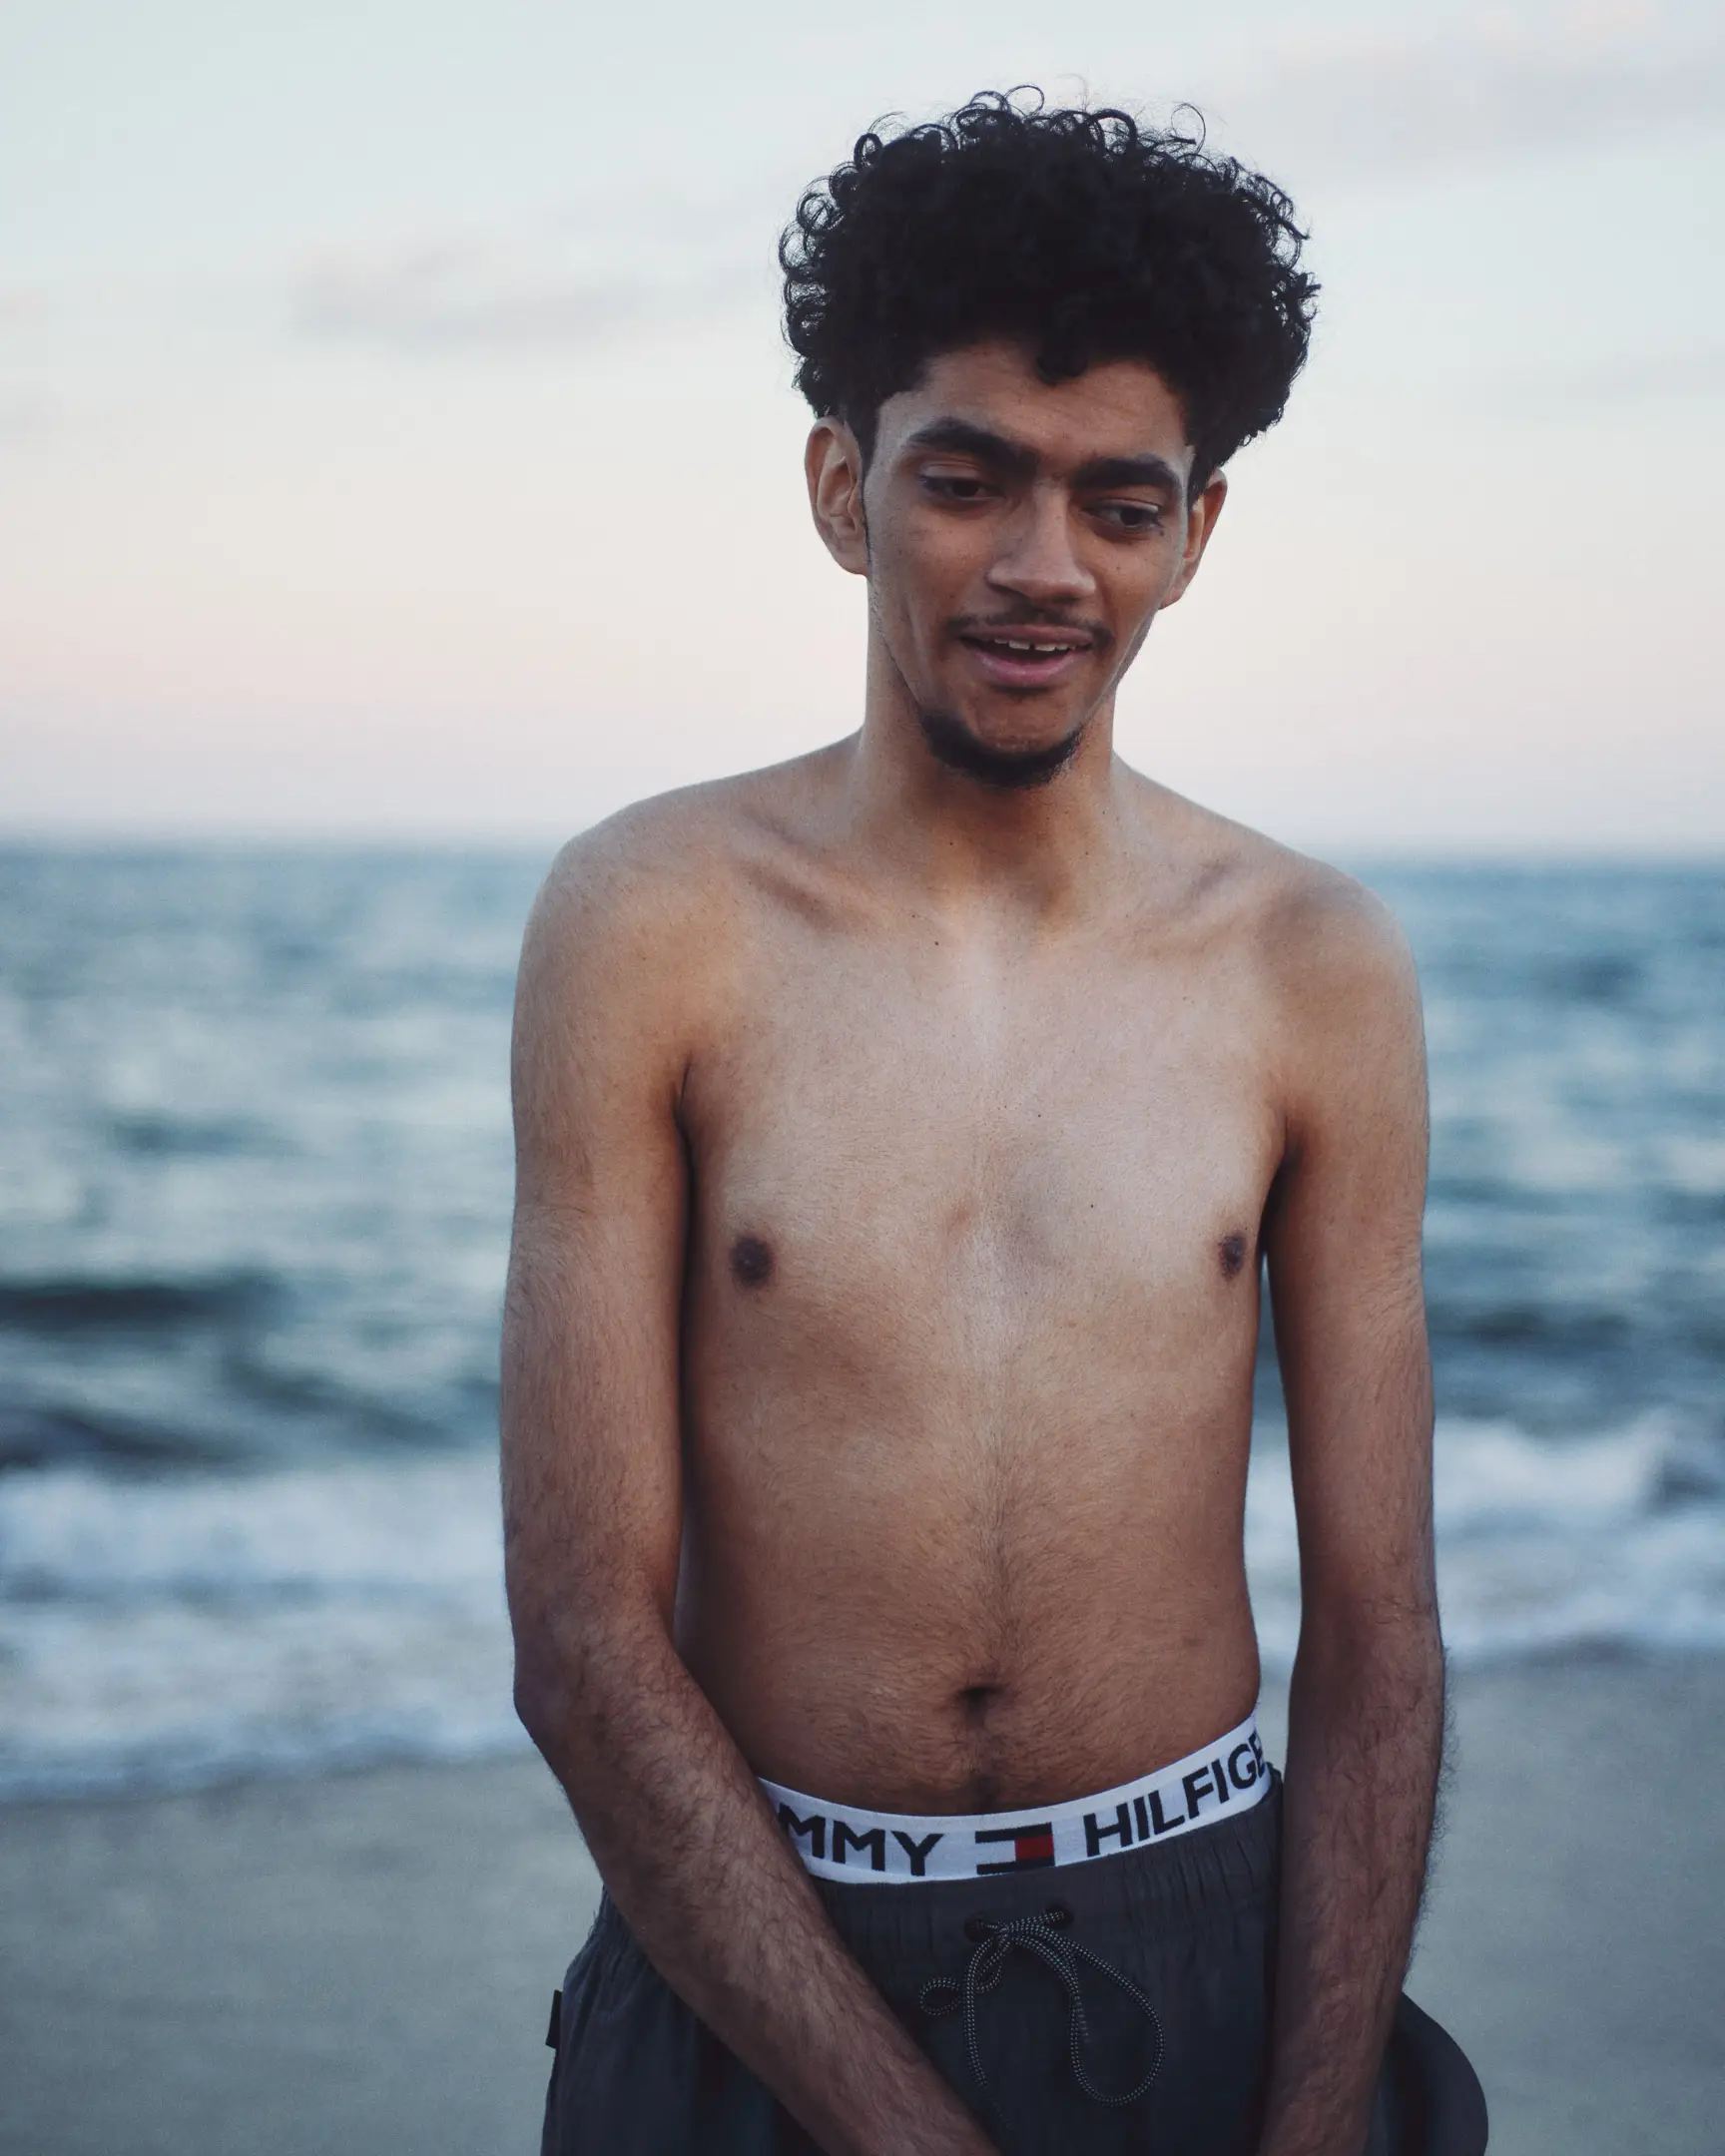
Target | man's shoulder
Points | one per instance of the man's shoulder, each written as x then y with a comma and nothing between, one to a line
1324,928
1311,932
664,888
691,848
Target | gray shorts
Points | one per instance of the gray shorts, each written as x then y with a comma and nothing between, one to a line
1169,1949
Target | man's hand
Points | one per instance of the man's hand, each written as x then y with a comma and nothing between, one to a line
620,952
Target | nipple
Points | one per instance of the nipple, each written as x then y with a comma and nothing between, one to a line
1232,1252
751,1262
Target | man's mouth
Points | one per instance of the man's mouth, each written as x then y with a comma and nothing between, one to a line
1026,658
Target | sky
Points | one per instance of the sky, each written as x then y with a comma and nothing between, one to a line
396,438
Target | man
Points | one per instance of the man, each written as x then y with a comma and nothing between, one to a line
900,1133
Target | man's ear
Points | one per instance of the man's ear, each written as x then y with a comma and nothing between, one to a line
833,463
1200,523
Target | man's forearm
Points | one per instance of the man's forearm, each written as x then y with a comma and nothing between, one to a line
1365,1728
720,1904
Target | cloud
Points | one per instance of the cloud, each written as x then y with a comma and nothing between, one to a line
572,284
1360,108
1399,104
1655,378
27,307
27,416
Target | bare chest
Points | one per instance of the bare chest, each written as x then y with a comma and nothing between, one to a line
885,1145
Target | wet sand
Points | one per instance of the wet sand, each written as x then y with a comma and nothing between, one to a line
364,1963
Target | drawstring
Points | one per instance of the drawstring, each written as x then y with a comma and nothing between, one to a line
1039,1937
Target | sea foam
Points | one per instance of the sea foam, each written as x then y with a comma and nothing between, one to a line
166,1632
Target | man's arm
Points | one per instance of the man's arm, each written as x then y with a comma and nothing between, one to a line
675,1820
1366,1706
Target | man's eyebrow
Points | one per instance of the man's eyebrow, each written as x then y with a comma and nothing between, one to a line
1126,471
998,451
963,437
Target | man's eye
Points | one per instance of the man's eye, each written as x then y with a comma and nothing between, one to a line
1130,516
949,486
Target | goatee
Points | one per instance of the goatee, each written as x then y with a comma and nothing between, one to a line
952,743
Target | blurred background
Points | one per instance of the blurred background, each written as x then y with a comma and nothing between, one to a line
401,470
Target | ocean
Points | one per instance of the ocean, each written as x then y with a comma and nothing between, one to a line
255,1182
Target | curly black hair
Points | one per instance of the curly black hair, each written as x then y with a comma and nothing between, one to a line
1084,233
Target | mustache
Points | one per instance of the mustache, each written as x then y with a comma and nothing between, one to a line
1096,634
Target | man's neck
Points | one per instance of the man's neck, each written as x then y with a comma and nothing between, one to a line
1045,848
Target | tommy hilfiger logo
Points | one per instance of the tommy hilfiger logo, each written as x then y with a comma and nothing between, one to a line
869,1842
890,1846
1032,1846
1245,1768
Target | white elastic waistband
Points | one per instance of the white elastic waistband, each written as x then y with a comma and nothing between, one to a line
840,1841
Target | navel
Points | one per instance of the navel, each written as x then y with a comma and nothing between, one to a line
751,1262
1230,1252
976,1700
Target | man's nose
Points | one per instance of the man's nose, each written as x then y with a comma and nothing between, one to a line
1039,562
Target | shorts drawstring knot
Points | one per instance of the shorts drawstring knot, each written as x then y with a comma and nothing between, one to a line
1038,1937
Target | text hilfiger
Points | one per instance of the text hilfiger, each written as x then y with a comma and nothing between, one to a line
841,1841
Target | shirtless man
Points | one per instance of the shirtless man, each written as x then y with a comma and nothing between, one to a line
901,1134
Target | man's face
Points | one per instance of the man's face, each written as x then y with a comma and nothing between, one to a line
1019,540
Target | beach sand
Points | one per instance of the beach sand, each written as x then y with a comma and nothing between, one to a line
364,1963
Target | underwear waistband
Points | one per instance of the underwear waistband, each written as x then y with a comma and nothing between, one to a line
842,1842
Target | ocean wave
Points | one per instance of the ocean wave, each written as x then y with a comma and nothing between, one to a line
166,1632
34,1437
160,1135
1615,1541
360,1529
91,1303
1551,1326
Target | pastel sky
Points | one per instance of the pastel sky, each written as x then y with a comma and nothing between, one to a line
395,436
